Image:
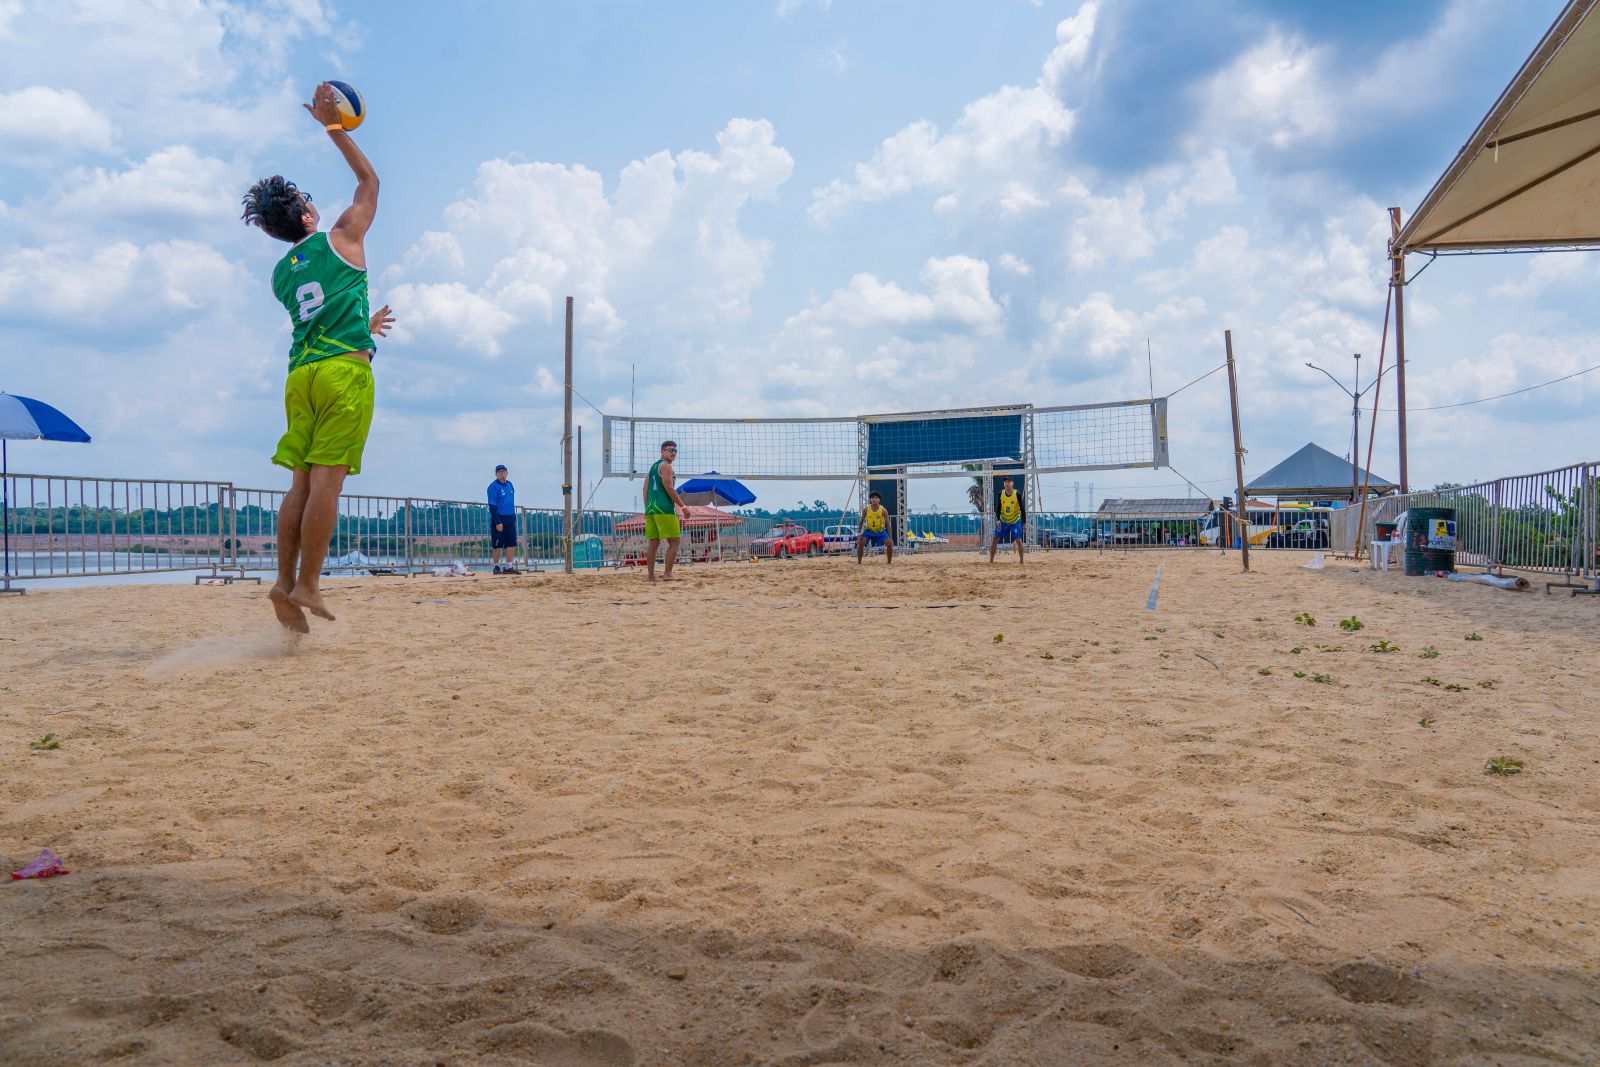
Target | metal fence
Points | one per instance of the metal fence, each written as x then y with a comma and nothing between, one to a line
59,527
62,526
1544,523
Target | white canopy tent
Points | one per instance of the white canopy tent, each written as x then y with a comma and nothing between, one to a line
1529,177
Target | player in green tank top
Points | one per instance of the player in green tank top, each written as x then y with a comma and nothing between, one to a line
322,283
661,502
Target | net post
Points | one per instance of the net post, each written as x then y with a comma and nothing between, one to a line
566,450
987,534
1238,450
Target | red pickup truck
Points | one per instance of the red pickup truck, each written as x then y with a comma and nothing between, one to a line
787,539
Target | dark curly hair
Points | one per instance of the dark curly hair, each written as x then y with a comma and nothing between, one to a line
275,205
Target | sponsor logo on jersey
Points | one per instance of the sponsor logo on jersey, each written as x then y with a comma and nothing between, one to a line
297,260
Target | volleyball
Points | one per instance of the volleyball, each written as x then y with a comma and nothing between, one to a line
352,109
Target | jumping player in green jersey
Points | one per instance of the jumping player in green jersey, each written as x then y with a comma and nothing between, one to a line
661,502
322,283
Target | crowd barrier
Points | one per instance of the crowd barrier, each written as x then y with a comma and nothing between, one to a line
58,526
68,526
1543,523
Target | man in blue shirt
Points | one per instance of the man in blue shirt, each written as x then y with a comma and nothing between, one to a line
502,521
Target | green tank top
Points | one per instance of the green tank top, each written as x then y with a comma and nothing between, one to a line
326,299
657,502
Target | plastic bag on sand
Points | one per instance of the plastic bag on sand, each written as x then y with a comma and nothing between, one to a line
48,865
1316,563
455,570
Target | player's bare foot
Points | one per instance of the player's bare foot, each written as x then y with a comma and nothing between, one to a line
311,600
289,613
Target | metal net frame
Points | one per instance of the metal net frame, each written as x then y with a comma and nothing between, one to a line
950,443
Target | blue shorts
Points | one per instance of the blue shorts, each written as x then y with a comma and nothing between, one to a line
1007,532
875,538
506,536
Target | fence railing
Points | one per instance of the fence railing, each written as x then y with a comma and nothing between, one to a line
1543,522
60,527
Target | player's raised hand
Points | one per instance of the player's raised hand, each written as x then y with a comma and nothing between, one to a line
323,107
382,319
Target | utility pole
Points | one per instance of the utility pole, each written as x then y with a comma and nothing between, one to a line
1398,279
566,451
1355,436
1355,421
1238,449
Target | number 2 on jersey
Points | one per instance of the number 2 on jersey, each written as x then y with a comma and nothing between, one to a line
309,296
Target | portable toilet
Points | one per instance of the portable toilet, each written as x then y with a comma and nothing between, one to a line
588,551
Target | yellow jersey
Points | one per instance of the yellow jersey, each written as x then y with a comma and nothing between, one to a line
1010,507
875,519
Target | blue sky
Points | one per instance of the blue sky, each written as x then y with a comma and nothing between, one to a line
792,207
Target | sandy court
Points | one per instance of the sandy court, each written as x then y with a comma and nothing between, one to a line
806,812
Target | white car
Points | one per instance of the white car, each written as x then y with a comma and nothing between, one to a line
839,539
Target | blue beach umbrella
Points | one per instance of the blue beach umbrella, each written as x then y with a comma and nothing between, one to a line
716,490
25,419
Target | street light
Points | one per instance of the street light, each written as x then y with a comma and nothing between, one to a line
1355,419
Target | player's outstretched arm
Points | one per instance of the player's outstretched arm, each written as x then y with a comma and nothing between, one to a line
349,233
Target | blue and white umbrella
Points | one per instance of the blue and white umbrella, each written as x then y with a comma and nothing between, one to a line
716,490
25,419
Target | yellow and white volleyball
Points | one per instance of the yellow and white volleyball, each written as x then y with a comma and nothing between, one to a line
352,109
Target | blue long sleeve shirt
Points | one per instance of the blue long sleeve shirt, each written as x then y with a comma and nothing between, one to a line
502,497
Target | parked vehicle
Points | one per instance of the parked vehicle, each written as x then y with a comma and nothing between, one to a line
839,539
1068,538
787,539
1305,533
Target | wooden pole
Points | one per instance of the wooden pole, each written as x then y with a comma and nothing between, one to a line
1238,450
1398,280
566,451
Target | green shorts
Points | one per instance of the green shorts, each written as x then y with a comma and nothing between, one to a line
662,527
329,407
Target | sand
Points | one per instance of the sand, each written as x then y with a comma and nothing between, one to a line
806,812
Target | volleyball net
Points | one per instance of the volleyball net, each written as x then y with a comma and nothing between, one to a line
1019,438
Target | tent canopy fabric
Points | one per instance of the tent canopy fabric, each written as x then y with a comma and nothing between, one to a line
700,518
715,489
1314,471
1529,177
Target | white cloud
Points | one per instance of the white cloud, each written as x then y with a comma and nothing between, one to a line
174,186
957,298
449,316
117,287
1273,94
1014,264
788,7
164,71
666,247
987,153
39,123
1071,53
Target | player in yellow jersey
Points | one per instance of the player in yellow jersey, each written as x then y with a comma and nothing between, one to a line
1012,516
875,529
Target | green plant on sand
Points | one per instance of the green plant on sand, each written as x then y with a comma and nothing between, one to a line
47,743
1502,765
1351,625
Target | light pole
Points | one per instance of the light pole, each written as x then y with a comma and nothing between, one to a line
1355,422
